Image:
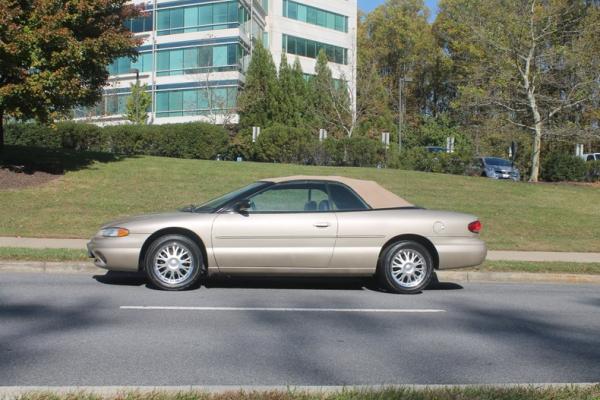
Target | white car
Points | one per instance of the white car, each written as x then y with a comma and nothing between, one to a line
591,156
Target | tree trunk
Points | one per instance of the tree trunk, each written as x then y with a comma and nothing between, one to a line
535,157
537,138
1,130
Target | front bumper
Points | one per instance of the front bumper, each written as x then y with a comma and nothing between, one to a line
460,252
117,254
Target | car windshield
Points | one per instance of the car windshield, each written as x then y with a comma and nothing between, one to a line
219,202
497,161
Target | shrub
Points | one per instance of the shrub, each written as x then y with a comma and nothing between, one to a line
560,166
30,134
419,159
284,144
191,140
80,137
356,151
593,171
326,152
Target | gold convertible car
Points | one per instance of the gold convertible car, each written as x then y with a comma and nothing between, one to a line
299,225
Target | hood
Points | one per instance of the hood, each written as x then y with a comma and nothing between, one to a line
149,223
120,223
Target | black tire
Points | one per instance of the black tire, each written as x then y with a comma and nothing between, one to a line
385,268
167,243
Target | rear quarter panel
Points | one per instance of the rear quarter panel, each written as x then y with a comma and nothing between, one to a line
362,235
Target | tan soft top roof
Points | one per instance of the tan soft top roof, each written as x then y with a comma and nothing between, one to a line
370,191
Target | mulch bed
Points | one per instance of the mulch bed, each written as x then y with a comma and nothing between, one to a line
14,179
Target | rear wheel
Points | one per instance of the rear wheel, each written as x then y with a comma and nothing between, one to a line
405,267
173,262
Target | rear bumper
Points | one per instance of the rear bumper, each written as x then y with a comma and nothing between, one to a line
117,254
459,252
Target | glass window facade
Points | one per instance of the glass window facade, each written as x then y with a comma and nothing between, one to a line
193,60
113,104
170,103
198,101
311,49
140,24
125,65
198,18
315,16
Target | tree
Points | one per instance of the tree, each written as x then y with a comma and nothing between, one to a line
288,113
373,112
537,63
257,102
397,38
320,92
138,103
301,94
54,53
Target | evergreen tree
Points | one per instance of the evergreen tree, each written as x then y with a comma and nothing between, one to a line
257,102
302,112
138,103
321,99
287,92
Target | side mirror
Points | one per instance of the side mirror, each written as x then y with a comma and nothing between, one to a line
242,206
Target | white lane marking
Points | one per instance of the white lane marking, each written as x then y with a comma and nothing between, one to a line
285,309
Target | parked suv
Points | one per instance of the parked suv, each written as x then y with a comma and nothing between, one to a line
495,168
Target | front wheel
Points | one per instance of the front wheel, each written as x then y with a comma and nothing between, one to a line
173,262
405,267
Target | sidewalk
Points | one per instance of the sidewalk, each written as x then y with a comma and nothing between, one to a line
493,255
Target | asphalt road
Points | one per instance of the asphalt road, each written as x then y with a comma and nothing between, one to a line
73,330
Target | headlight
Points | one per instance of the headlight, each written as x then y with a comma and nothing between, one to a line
114,232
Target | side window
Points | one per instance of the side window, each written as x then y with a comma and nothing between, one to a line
292,197
344,199
590,157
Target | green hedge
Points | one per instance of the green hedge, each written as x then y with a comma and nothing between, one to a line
191,140
419,159
284,144
559,166
278,143
593,171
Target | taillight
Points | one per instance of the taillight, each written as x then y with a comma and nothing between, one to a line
475,226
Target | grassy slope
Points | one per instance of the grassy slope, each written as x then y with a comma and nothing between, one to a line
515,215
24,254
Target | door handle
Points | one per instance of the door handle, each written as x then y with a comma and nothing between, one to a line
321,224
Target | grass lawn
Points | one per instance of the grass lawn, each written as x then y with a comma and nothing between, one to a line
515,216
543,267
24,254
470,393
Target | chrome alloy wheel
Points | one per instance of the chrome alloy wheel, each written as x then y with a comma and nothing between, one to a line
173,263
408,268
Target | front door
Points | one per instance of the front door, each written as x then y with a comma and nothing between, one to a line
289,227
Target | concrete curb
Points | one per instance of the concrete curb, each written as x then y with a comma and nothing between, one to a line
444,276
13,392
516,277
